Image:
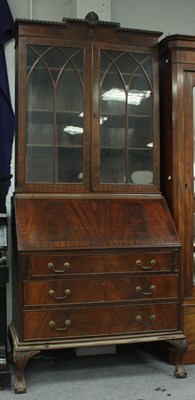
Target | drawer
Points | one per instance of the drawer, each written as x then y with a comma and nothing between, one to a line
83,322
55,265
139,288
63,291
98,290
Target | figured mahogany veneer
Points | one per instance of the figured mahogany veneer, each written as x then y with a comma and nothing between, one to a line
100,270
95,321
73,223
71,264
102,289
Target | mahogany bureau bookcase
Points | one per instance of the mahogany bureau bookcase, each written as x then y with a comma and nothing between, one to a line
96,253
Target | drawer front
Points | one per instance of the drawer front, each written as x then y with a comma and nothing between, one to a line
66,291
63,291
83,322
139,288
84,264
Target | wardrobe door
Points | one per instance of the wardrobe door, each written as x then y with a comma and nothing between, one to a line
189,184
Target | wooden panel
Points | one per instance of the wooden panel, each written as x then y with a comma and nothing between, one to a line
80,29
81,264
65,291
136,288
189,325
99,321
59,223
98,290
181,46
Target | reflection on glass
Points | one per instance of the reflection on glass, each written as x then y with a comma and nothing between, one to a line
126,141
54,140
133,97
69,118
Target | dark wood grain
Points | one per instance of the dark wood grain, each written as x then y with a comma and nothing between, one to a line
177,77
87,223
100,321
102,289
104,262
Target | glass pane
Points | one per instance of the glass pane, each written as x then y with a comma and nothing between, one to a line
69,119
40,167
54,117
39,123
112,125
126,130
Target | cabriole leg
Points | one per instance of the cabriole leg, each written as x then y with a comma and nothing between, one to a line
20,359
181,347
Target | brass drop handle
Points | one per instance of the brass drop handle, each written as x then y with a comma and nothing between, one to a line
67,323
140,290
139,263
138,318
58,270
67,292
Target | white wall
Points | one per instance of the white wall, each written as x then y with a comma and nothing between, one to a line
168,16
40,9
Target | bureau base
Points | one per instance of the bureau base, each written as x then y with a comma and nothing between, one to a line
23,352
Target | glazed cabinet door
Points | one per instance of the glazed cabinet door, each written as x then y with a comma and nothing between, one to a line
88,117
54,116
125,119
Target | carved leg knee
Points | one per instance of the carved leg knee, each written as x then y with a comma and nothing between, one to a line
20,360
181,347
